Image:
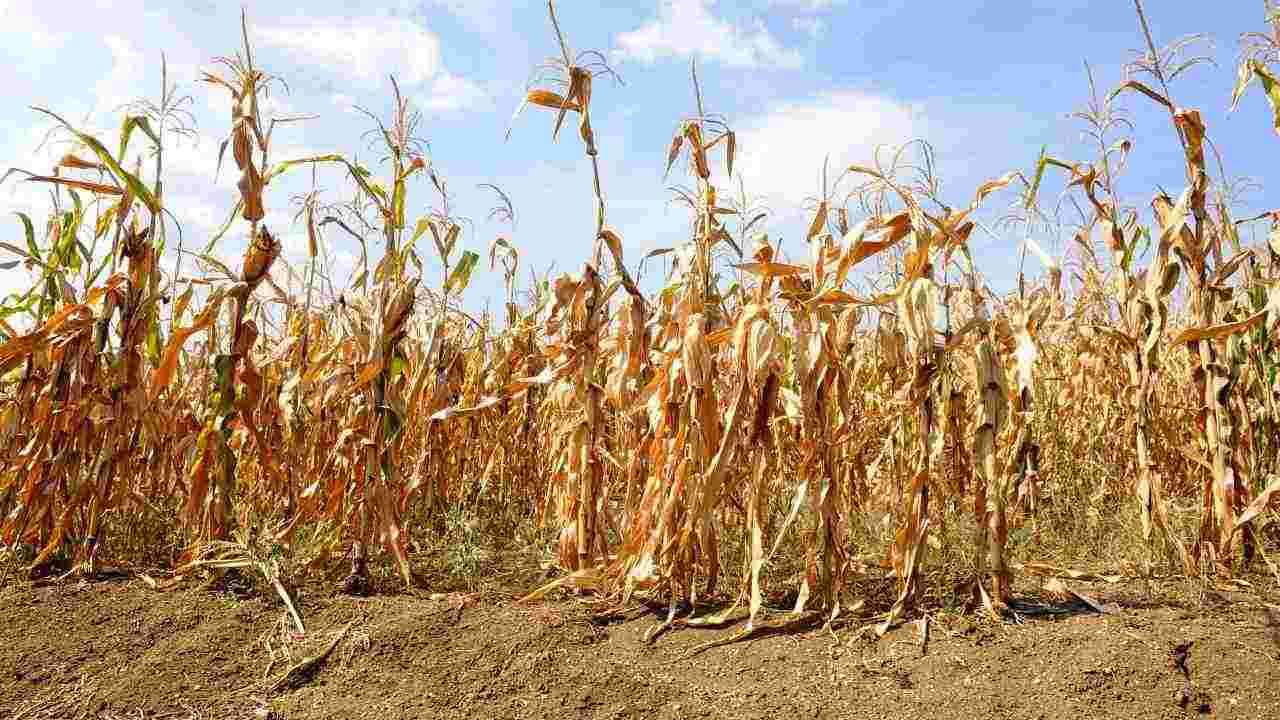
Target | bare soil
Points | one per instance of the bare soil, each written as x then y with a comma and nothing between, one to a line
119,649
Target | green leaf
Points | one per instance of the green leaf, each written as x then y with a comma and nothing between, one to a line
15,303
290,164
153,344
1039,176
130,124
52,292
397,204
1271,86
103,223
372,186
1043,162
70,234
1143,236
220,266
461,275
235,213
424,224
30,231
392,425
78,214
70,255
1244,76
93,276
358,173
224,365
136,188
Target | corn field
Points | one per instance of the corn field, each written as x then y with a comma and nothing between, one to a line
762,418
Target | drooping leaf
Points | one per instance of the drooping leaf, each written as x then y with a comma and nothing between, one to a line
1271,86
1215,332
135,186
450,239
222,231
1259,504
674,151
358,173
163,375
103,222
93,187
1136,86
730,152
819,221
772,269
1250,69
423,225
461,275
131,123
29,232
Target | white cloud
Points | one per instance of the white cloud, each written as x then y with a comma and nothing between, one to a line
369,49
196,158
277,105
781,152
686,28
42,40
452,92
120,86
813,27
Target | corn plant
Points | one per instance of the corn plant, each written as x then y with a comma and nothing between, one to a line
780,427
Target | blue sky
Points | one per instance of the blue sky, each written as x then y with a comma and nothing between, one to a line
987,83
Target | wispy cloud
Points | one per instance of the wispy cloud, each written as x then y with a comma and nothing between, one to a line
685,28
